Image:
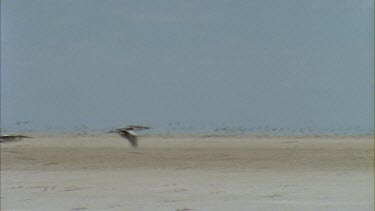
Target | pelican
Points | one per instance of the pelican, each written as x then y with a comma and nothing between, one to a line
129,134
12,137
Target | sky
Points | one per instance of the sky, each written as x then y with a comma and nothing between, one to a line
189,65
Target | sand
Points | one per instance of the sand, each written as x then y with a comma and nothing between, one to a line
102,172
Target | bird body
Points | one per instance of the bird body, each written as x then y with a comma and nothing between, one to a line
129,134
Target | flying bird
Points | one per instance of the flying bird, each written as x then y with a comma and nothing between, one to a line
12,137
129,134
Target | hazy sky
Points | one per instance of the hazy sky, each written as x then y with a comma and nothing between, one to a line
280,64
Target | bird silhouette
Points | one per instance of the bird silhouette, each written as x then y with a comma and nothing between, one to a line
129,133
12,137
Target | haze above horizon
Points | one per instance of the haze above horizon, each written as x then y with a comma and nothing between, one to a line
257,65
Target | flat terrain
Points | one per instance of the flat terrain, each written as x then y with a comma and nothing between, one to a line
236,173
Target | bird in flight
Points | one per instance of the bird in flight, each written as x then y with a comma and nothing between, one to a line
12,137
129,134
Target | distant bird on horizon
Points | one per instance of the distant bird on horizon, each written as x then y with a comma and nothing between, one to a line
12,137
129,134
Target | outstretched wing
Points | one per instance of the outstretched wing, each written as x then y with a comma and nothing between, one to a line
136,127
12,137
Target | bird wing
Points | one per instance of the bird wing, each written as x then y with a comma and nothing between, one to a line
136,127
12,137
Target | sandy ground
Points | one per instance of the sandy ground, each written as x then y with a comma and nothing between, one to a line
67,172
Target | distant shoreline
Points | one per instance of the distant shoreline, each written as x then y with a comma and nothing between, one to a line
179,134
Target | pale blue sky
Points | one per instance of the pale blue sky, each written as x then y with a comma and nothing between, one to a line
252,64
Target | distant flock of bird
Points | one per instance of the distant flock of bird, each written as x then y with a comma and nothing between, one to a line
126,133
